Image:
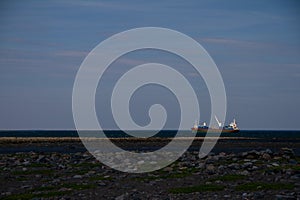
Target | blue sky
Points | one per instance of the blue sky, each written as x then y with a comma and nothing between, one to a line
255,44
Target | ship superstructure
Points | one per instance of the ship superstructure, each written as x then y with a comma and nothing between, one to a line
231,128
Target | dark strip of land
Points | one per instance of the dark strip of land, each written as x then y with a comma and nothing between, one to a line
73,144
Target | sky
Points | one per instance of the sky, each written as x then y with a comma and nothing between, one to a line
255,44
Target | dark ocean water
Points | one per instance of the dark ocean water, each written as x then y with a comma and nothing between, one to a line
162,134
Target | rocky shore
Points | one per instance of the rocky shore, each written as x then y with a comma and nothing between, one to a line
264,174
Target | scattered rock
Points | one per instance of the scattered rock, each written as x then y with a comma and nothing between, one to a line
77,176
282,197
245,173
288,151
247,164
121,197
269,151
210,168
234,166
82,170
275,164
168,169
101,183
266,156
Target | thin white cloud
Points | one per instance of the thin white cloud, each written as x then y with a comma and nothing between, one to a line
72,53
106,5
234,42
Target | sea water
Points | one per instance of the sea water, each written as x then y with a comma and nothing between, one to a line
159,134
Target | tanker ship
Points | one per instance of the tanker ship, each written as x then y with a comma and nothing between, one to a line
203,128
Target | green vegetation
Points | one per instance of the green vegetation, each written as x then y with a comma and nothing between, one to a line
264,186
72,186
86,164
294,167
97,178
38,165
198,188
163,174
75,186
26,196
228,177
29,172
50,191
283,167
21,178
80,171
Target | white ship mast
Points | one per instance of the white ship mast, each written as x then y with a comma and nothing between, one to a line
196,124
219,123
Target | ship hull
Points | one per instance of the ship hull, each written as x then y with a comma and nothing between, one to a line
211,130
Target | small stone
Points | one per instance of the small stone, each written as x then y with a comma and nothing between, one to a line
279,197
210,161
266,156
258,195
77,176
244,173
234,166
295,177
247,164
25,186
121,197
275,164
222,154
244,154
269,151
63,189
227,196
293,162
288,151
101,183
41,158
221,167
57,180
277,178
60,166
168,169
201,165
210,167
26,163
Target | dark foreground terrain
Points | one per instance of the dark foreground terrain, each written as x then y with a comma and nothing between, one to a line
264,173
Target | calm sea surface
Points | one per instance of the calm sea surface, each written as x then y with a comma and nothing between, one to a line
161,134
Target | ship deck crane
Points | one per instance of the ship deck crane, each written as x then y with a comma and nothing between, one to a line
219,123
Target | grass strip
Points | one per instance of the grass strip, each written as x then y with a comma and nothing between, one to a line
197,188
255,186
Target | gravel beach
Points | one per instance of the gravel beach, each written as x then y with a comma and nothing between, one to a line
52,168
